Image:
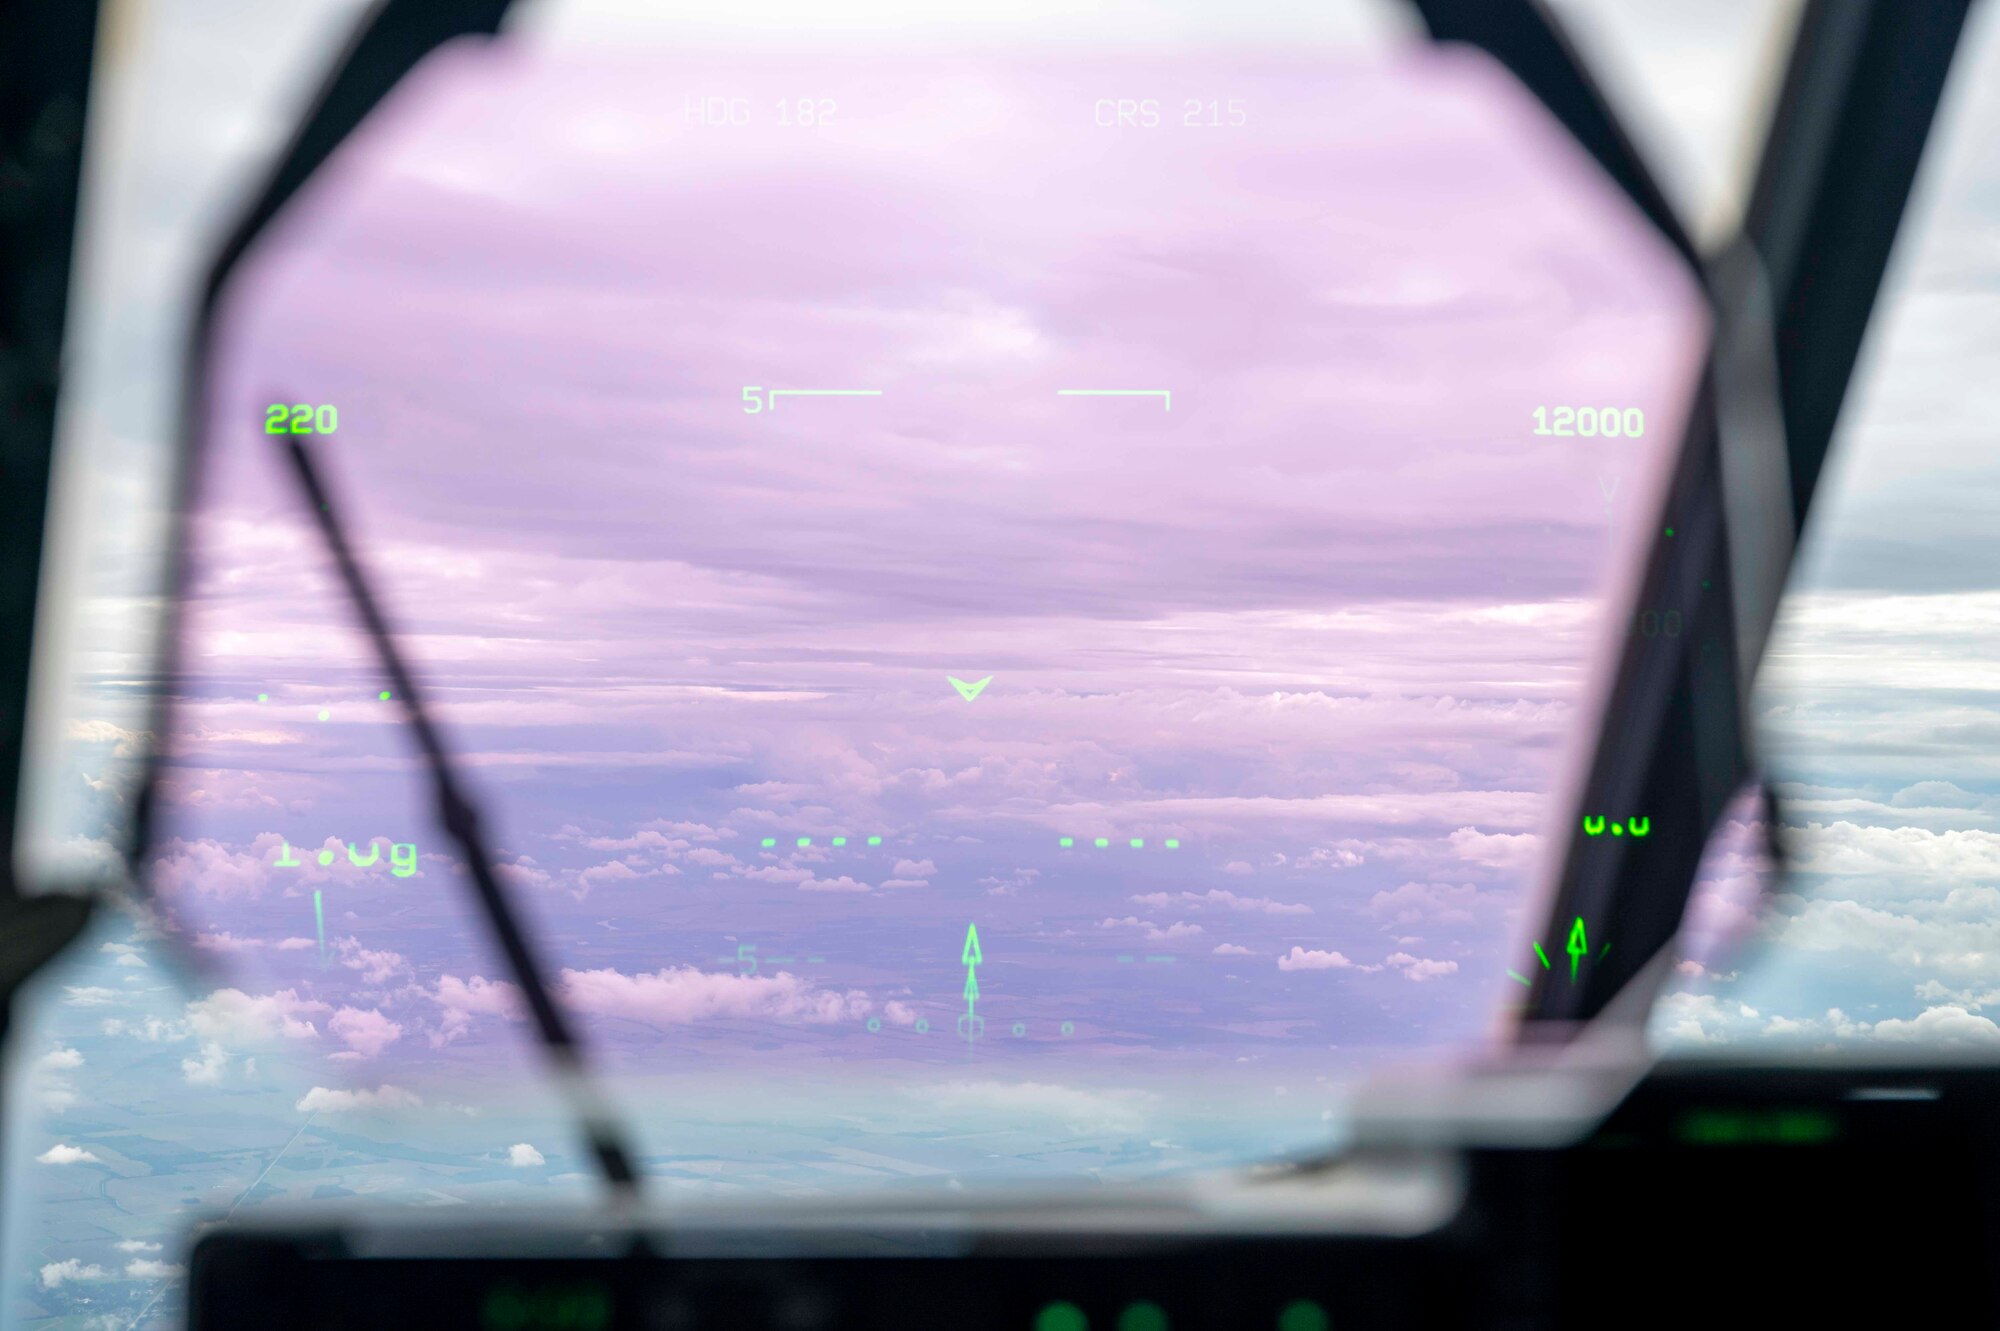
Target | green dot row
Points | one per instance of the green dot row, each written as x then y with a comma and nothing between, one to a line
1144,1315
924,1026
1137,843
771,841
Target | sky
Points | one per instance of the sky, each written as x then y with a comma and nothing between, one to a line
1300,639
1327,621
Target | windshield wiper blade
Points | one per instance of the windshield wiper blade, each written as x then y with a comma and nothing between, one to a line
462,822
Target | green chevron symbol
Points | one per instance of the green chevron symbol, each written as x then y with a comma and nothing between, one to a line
969,691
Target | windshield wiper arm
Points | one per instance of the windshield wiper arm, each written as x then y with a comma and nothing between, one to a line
462,823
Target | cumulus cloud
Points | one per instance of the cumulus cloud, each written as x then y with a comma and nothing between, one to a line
1708,1019
137,1245
1231,950
1845,849
1262,905
1178,929
844,884
1425,903
55,1274
234,1017
376,966
365,1031
523,1156
62,1057
324,1100
208,1067
149,1268
1420,968
1330,857
153,1030
915,868
296,945
64,1154
1495,850
1301,959
209,869
1947,1025
462,1000
677,996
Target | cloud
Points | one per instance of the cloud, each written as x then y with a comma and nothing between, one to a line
1949,1025
91,995
376,967
207,1069
296,945
915,868
677,996
124,954
56,1273
1178,929
1299,959
462,1000
225,942
1263,905
1231,950
1845,849
62,1057
234,1017
523,1156
324,1100
137,1245
1708,1019
1329,857
365,1031
843,884
1425,903
1421,968
149,1268
209,869
1496,850
153,1030
63,1154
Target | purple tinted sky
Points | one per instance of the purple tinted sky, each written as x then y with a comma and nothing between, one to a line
1327,621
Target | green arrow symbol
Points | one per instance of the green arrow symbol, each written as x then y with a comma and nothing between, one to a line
969,691
1576,947
971,955
971,988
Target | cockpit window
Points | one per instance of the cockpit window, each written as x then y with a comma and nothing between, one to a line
1875,700
1014,608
